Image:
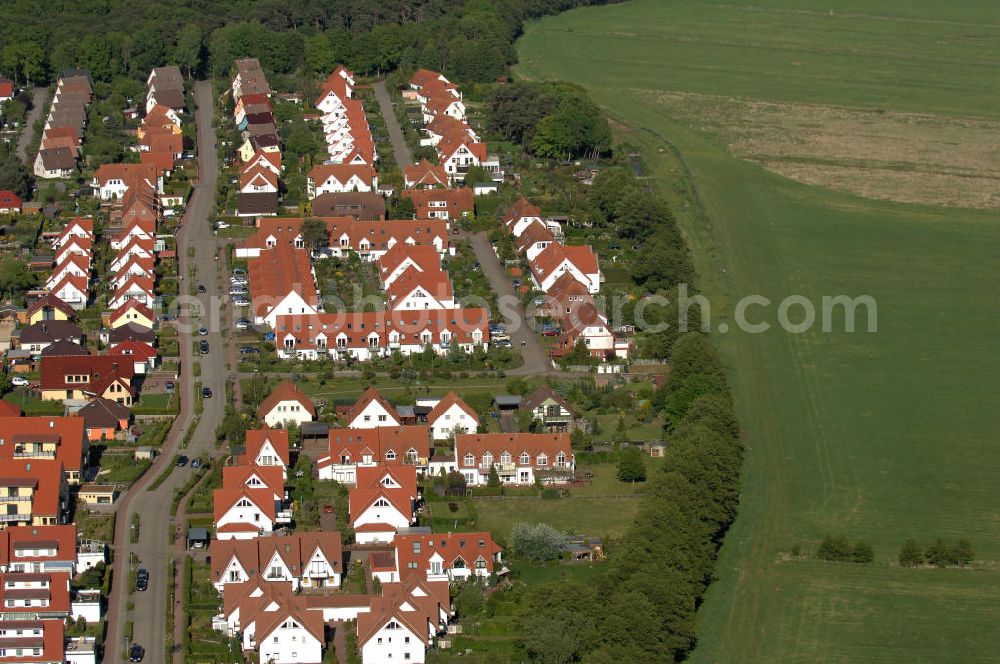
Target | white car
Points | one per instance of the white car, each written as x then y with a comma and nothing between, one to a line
20,381
241,301
219,225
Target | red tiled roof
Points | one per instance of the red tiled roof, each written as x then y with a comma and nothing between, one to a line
447,402
469,547
369,488
425,173
66,432
286,391
355,444
278,438
454,201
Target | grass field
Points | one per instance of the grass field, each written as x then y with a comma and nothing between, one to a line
878,436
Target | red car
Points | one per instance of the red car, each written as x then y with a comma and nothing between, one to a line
328,509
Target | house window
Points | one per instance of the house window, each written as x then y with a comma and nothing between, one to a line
469,460
542,460
525,458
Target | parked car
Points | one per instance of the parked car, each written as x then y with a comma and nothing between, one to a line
201,289
239,272
502,343
182,461
238,290
204,347
136,653
516,283
169,386
242,324
202,331
20,381
246,350
196,462
206,393
219,225
241,301
141,580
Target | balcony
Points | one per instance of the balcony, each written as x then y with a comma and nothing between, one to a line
15,499
12,518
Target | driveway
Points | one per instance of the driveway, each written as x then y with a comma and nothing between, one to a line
38,97
536,360
153,550
399,147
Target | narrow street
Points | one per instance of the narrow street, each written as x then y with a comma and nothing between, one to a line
39,97
536,360
400,149
153,550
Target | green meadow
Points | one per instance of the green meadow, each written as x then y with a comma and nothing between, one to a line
819,149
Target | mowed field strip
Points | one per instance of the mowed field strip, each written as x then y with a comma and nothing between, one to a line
781,112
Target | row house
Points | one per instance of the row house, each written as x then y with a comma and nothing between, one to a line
311,560
165,87
33,492
249,79
404,621
81,228
451,204
259,183
383,501
266,448
425,175
44,549
447,557
373,334
347,134
282,283
518,458
369,239
63,127
282,627
421,290
350,449
555,260
111,181
244,513
48,307
47,438
340,178
444,115
403,258
132,312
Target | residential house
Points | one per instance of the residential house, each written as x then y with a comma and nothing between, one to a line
39,336
425,175
451,416
244,513
33,492
452,204
403,258
58,162
72,290
286,404
550,409
306,560
86,378
382,501
558,259
371,410
132,312
339,178
365,335
266,448
519,458
447,557
10,203
46,438
521,214
38,549
422,290
104,418
384,445
282,283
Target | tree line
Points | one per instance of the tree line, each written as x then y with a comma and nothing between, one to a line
469,41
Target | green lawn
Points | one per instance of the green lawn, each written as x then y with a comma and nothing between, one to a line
602,517
878,436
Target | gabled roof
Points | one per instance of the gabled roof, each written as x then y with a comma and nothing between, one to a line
17,543
131,331
245,474
64,347
286,391
520,209
342,173
295,550
424,173
555,255
424,256
44,476
371,485
226,499
378,443
436,283
543,394
469,547
50,301
138,350
100,369
446,402
49,331
256,438
131,305
367,397
277,272
454,201
535,444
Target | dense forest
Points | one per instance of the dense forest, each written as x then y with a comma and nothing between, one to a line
469,41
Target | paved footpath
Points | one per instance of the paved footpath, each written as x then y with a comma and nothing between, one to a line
399,147
38,99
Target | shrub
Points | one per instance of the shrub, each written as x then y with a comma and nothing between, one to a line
536,541
911,554
835,548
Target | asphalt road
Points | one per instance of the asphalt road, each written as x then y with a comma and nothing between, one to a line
153,550
38,98
399,147
536,360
